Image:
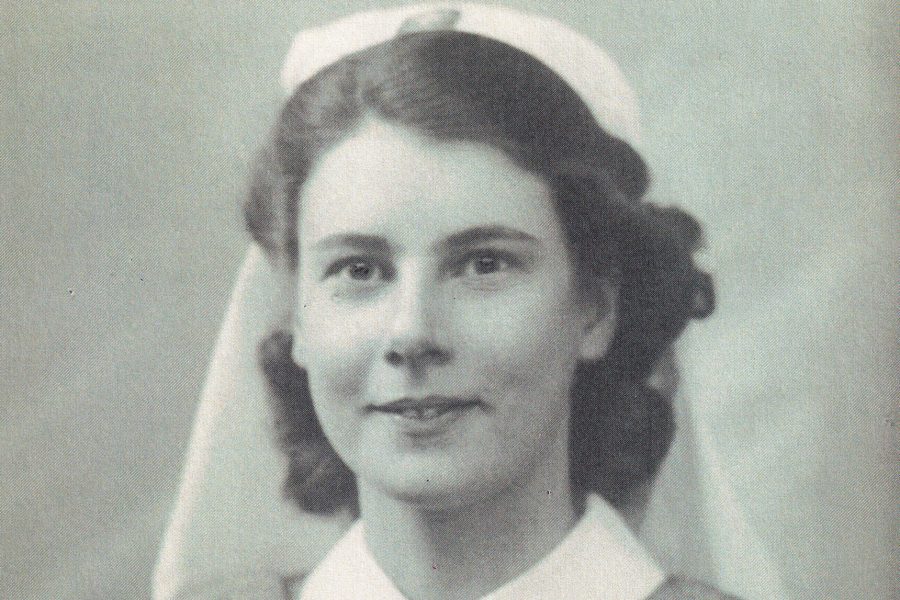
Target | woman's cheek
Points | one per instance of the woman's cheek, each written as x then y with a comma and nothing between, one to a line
524,362
337,365
529,326
338,349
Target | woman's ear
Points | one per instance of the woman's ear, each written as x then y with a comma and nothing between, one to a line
296,345
600,324
284,299
293,322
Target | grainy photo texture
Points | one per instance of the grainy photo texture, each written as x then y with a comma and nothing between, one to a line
449,301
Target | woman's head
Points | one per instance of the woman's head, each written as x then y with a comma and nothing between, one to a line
439,317
475,259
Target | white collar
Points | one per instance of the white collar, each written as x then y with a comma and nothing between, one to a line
600,559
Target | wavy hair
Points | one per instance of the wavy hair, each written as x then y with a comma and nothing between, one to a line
464,87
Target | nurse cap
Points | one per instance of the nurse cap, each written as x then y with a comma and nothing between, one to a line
579,61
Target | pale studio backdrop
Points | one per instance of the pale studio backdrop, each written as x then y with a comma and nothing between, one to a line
126,130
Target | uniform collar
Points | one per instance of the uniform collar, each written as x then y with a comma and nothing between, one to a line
599,559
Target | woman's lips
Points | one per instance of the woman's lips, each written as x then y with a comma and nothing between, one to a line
426,409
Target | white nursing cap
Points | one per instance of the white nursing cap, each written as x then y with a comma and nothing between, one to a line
575,58
232,535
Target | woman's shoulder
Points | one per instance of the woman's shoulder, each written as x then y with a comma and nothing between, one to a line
682,588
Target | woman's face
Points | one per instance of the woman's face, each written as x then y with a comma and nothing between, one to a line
438,316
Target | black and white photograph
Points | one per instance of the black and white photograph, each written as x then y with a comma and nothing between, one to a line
374,300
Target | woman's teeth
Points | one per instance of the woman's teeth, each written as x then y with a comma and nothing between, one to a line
422,414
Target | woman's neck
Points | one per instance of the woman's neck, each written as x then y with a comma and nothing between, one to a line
472,550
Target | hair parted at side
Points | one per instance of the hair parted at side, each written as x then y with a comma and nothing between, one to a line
465,87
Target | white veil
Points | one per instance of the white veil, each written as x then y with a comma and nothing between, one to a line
231,533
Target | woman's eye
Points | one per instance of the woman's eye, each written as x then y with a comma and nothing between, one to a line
360,270
357,269
486,263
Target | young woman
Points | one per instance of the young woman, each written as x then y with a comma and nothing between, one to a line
479,298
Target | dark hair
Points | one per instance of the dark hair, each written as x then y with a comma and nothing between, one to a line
458,86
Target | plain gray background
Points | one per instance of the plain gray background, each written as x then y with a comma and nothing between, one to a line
126,129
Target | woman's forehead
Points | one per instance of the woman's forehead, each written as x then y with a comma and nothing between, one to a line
390,181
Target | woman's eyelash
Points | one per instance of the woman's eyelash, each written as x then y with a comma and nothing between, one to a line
476,263
359,268
487,261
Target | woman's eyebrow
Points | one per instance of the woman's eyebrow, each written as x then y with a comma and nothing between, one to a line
459,240
366,243
479,235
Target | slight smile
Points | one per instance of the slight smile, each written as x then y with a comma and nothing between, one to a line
426,415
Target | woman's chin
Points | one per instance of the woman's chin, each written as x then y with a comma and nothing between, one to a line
437,489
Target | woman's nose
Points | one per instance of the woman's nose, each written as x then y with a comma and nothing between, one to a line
413,338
